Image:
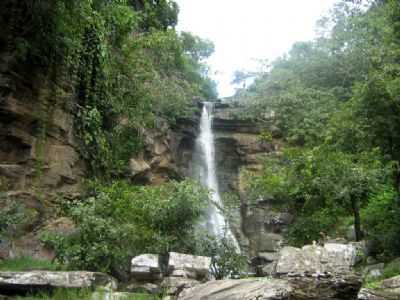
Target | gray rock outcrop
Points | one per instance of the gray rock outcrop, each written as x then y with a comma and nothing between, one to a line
188,266
299,288
146,267
173,286
332,258
11,282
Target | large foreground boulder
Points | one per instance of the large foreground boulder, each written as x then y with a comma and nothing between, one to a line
245,289
11,282
295,288
332,258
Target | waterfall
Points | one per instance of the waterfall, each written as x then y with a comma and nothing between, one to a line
216,223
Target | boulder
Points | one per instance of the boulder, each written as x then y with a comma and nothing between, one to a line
264,263
245,289
188,266
372,272
146,267
268,257
173,286
392,285
388,289
270,242
330,258
16,282
138,166
299,288
143,287
368,294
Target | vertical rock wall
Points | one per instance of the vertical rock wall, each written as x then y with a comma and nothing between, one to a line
259,226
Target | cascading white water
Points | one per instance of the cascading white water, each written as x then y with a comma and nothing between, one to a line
205,148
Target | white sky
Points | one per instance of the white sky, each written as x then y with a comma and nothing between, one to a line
243,31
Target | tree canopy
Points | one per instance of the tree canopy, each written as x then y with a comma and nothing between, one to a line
335,101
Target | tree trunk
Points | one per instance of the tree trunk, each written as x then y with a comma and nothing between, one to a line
357,219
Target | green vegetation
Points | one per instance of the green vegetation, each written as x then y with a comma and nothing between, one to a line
391,269
121,60
71,294
61,294
121,221
335,101
28,264
121,68
226,261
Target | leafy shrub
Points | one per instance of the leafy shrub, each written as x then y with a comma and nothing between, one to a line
226,260
382,223
11,216
122,221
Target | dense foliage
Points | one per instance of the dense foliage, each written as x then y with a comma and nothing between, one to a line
123,59
335,102
226,259
121,221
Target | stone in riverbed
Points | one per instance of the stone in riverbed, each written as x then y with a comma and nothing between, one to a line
37,280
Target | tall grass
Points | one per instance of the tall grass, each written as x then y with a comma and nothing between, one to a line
28,264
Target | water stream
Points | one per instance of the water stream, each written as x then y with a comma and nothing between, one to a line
215,223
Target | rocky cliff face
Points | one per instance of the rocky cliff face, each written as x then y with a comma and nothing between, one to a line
258,226
39,156
167,154
40,159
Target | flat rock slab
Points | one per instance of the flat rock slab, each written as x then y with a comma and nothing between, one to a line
173,286
246,289
370,294
299,288
189,266
331,258
146,267
36,280
388,289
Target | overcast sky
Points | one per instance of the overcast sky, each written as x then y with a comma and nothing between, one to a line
244,31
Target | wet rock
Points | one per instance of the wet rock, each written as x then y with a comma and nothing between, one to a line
188,266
